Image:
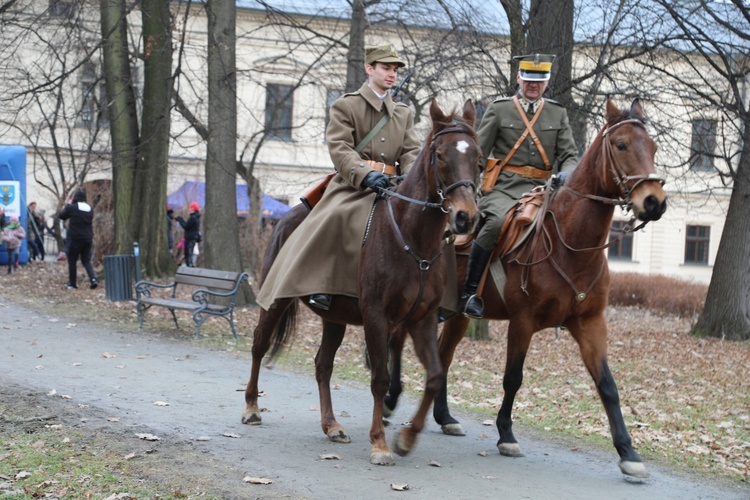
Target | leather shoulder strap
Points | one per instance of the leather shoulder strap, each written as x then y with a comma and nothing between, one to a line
530,129
372,133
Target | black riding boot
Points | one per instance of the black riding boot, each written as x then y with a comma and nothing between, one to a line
471,305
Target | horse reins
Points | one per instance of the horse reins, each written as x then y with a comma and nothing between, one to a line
442,191
625,202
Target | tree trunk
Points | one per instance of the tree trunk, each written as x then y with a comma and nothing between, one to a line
221,231
514,11
479,329
726,313
150,191
355,56
123,125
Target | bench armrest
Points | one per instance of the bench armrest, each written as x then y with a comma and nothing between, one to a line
201,295
144,288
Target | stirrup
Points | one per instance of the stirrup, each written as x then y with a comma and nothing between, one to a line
469,308
320,300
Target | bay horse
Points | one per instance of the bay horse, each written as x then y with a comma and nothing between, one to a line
564,279
402,279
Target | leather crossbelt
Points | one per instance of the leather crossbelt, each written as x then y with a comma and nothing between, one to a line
528,171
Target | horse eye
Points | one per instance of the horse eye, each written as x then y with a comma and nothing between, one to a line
622,146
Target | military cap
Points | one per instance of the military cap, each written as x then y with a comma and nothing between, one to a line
535,67
383,54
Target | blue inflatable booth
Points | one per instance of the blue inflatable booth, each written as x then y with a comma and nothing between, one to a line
13,194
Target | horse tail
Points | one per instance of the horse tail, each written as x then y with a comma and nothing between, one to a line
285,328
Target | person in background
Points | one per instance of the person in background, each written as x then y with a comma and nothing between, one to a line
80,238
36,232
13,235
191,227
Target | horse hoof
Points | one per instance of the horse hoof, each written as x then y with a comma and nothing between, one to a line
453,429
402,445
381,458
252,418
339,436
633,469
510,450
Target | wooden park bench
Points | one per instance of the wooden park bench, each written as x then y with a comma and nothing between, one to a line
215,295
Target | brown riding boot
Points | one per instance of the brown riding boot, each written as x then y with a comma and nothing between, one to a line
470,304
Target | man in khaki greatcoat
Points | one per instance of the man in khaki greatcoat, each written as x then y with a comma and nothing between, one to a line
321,257
526,164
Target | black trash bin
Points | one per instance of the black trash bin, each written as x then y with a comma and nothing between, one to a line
118,277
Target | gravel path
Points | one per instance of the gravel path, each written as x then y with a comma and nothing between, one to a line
121,375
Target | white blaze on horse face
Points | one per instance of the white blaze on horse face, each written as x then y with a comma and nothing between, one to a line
462,146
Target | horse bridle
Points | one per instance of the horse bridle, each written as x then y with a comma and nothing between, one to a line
621,179
442,192
441,189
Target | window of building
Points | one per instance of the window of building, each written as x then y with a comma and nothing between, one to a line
62,8
94,102
331,96
279,107
703,145
623,249
697,240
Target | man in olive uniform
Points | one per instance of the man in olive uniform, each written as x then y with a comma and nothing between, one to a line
321,257
547,148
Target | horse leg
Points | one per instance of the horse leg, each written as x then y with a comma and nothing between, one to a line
333,335
453,331
377,347
425,344
396,344
591,335
518,345
261,343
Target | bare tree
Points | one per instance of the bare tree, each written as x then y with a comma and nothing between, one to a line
222,248
712,40
140,153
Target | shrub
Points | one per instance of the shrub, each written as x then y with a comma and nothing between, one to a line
658,293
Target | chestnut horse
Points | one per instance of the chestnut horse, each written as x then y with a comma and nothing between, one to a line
402,279
563,279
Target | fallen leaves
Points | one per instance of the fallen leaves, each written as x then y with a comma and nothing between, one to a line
148,437
257,480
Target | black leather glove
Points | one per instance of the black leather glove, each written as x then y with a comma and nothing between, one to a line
375,180
560,179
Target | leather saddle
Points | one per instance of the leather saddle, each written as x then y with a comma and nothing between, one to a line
516,228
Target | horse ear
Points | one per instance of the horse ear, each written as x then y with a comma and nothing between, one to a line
470,112
636,109
613,114
436,113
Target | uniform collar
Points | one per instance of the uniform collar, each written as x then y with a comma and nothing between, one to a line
529,106
376,102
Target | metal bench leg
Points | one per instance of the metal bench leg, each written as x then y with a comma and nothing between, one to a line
139,307
174,317
231,323
199,318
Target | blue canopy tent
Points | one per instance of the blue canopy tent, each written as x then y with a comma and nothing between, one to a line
194,191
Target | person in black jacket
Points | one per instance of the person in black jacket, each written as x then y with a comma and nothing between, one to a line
192,235
80,237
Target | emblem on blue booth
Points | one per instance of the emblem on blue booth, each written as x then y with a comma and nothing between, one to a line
7,194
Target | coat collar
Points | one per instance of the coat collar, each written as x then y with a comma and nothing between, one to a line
375,101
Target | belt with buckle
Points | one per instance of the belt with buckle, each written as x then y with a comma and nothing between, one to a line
528,171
